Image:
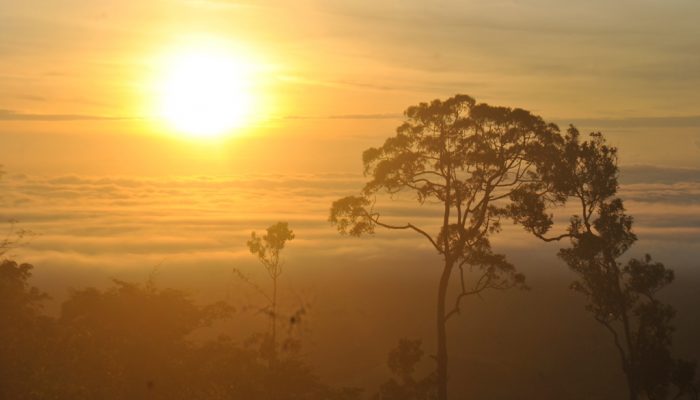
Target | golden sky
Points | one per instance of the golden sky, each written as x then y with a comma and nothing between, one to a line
92,169
334,76
114,192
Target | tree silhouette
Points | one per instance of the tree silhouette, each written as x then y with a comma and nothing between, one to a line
470,159
14,237
138,341
402,362
21,327
129,341
621,296
267,248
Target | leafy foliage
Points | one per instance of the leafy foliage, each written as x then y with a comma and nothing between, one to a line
21,329
621,296
471,158
477,163
402,362
267,248
134,341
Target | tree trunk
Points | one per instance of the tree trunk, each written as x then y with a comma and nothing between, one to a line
442,295
631,367
442,332
631,363
632,387
273,355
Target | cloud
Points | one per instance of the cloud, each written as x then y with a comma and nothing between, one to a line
32,98
691,121
10,115
350,116
107,222
468,16
229,4
635,174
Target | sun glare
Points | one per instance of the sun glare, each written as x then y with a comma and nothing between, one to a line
205,92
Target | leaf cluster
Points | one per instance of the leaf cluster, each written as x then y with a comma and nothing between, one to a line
268,246
622,296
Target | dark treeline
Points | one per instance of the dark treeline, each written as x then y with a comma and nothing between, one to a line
133,341
482,165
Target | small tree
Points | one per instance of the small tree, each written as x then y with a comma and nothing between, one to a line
14,237
402,362
267,248
470,159
621,296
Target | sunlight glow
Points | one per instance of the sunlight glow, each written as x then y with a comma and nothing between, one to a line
206,91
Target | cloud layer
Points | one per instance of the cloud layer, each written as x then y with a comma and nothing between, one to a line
109,223
190,232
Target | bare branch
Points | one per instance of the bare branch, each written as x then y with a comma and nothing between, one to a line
375,219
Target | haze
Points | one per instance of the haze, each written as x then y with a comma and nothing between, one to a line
110,188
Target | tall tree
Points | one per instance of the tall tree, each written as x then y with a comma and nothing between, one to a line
267,248
22,328
470,159
621,296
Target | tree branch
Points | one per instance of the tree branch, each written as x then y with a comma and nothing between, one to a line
375,219
554,238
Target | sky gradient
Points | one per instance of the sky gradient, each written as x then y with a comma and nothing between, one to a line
92,172
110,191
338,74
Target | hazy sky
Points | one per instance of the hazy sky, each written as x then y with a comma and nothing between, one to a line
336,75
112,192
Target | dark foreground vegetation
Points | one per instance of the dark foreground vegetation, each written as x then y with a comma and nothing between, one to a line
133,342
481,165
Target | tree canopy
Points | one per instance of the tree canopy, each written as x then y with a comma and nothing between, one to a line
621,296
477,163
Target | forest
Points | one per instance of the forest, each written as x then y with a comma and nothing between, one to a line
469,169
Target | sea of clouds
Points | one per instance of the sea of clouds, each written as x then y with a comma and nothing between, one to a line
117,224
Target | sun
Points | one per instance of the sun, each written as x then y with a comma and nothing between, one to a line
205,91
